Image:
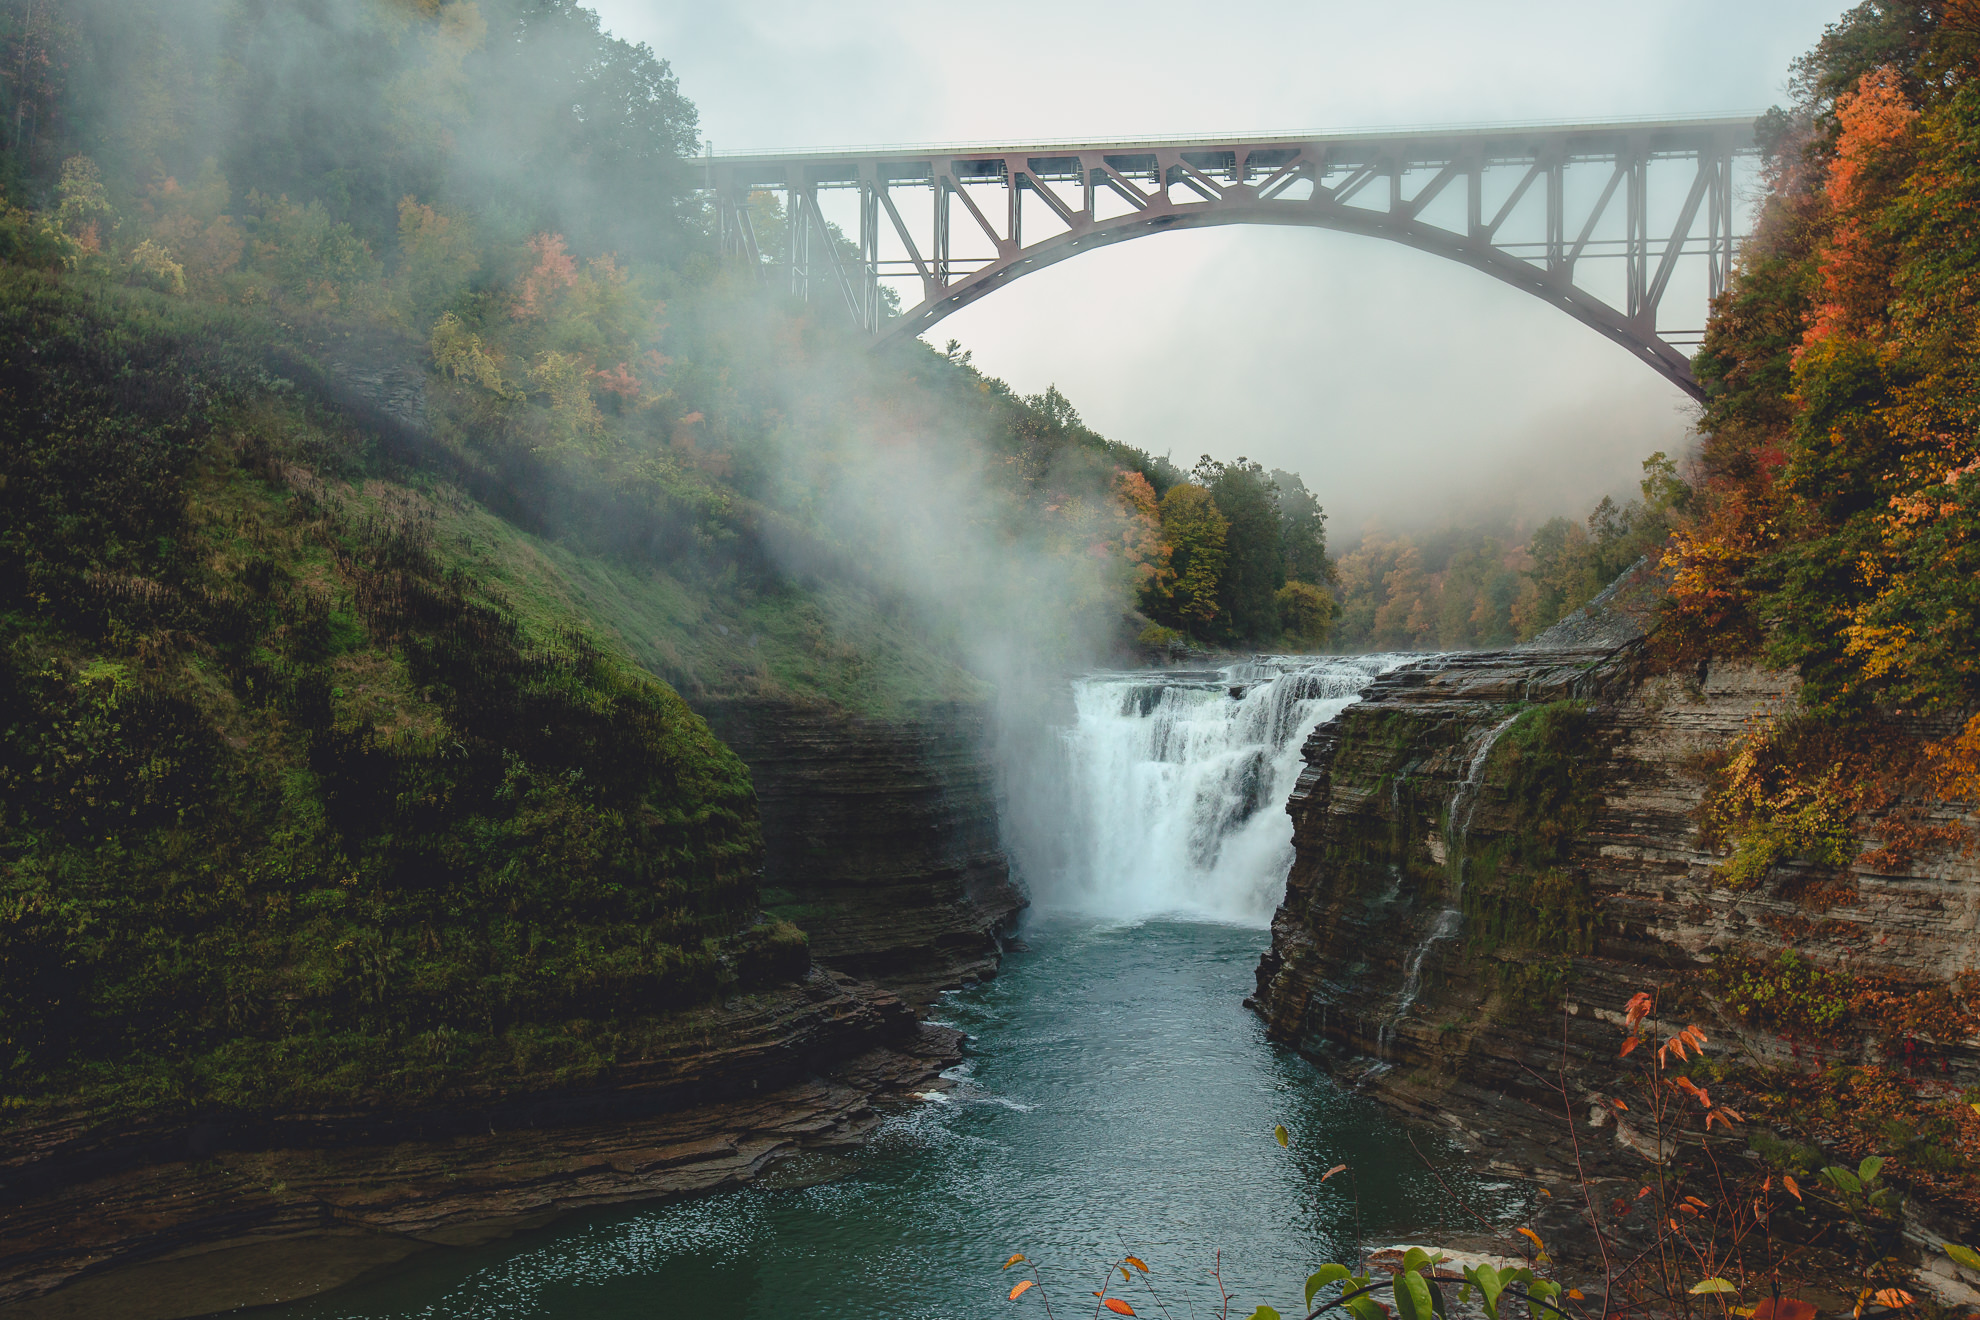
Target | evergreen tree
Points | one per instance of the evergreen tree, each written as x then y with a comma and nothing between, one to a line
1302,531
1255,569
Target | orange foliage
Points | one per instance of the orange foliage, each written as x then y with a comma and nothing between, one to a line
619,380
1855,283
1954,763
555,269
1142,547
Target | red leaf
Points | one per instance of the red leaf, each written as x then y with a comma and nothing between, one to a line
1628,1045
1118,1307
1142,1265
1018,1291
1784,1308
1331,1172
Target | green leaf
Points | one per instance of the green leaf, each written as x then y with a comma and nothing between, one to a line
1285,1138
1539,1291
1413,1300
1489,1284
1416,1258
1320,1278
1713,1285
1842,1179
1365,1308
1868,1170
1264,1313
1964,1257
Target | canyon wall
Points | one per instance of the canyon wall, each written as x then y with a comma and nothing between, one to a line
169,1220
1496,850
880,836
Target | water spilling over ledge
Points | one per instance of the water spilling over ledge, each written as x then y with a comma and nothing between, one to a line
1176,784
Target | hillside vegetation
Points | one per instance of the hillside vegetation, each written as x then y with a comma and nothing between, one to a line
1836,529
386,449
303,803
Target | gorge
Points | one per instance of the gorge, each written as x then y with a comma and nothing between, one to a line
546,769
1113,1088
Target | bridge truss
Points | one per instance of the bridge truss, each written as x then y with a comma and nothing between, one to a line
1595,219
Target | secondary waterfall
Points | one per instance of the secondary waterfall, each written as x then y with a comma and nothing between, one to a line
1176,783
1464,804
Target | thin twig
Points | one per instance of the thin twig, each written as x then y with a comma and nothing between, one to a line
1581,1173
1144,1275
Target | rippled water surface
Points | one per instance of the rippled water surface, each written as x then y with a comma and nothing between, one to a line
1119,1097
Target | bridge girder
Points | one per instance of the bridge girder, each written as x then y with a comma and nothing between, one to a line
1326,182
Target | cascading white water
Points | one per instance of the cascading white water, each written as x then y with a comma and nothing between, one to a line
1464,804
1177,783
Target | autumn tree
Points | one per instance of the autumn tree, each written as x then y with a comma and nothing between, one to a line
1306,614
1144,554
1195,531
35,45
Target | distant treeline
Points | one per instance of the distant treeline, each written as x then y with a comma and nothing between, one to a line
1464,588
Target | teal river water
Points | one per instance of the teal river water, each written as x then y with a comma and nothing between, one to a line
1118,1097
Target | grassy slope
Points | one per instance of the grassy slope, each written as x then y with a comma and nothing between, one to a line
317,787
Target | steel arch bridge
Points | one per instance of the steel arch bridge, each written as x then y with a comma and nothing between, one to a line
1532,205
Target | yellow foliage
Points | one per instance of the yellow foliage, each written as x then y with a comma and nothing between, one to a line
460,353
153,264
566,378
1954,763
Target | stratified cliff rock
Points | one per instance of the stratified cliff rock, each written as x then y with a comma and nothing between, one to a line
155,1223
880,836
1496,850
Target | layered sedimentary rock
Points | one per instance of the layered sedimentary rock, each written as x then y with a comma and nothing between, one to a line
166,1222
880,836
1496,850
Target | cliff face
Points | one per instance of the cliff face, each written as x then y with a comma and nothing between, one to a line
1495,851
150,1224
880,836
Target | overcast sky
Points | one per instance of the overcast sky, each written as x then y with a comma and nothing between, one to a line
1401,386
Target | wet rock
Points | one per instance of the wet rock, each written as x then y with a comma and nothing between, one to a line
880,836
152,1225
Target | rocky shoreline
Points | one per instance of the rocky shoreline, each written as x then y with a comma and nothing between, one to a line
166,1224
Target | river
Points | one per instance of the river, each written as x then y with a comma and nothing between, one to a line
1117,1098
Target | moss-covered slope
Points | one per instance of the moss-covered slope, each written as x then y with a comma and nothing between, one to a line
300,804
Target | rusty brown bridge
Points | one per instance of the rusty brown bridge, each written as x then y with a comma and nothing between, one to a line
1597,219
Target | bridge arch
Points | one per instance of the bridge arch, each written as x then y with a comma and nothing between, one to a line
1311,182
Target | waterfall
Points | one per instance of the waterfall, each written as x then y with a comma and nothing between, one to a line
1464,804
1177,780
